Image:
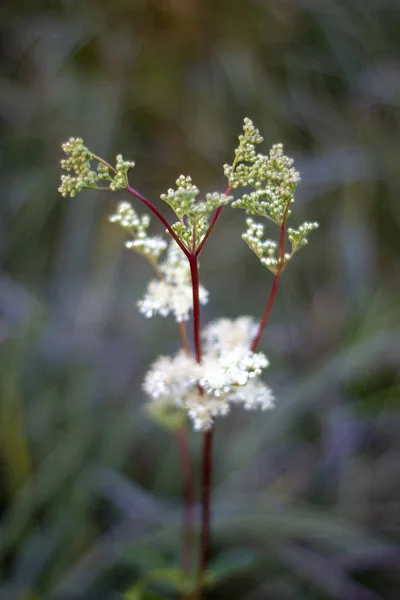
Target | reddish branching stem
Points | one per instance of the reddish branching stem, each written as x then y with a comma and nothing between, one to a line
274,289
214,220
154,210
181,435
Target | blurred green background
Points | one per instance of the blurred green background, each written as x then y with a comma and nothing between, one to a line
307,497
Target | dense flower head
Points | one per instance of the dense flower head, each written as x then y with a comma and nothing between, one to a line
173,293
274,180
227,334
229,373
78,161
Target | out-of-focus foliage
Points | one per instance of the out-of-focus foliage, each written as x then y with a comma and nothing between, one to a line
306,496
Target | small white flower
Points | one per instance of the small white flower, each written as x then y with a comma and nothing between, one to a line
171,378
255,394
137,226
173,294
226,334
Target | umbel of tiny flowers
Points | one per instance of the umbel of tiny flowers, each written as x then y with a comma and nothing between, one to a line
228,374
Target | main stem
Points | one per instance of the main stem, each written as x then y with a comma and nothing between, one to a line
206,471
181,435
194,272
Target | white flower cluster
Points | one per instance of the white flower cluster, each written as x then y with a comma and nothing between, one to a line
229,373
150,247
173,293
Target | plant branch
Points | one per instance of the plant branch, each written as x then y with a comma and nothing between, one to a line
159,216
279,268
104,162
214,220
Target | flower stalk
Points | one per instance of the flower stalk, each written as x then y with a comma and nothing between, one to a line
274,288
224,368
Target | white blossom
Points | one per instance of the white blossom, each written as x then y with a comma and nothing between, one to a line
173,293
225,334
227,374
137,226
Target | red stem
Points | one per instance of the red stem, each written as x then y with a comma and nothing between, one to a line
151,206
207,442
207,439
194,271
268,308
181,435
184,450
279,268
214,220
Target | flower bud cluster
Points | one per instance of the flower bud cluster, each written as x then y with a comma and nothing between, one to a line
244,153
120,181
150,247
173,293
229,373
79,162
265,250
182,199
298,237
274,180
192,215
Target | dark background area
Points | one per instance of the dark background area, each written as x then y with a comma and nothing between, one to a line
306,497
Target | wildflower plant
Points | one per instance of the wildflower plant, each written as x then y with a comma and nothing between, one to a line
223,366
